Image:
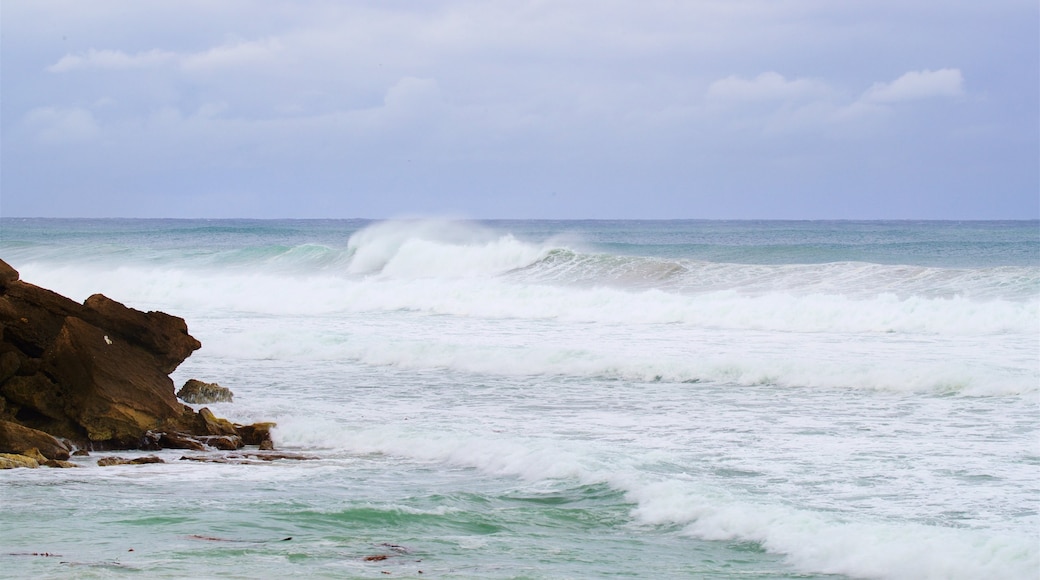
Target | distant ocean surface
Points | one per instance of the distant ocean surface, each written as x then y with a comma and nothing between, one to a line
565,399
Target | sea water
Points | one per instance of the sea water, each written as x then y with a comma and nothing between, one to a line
565,399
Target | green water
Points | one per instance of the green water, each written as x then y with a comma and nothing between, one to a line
323,519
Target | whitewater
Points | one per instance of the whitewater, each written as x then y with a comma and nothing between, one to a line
565,399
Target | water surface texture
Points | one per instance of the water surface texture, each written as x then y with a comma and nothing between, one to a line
540,399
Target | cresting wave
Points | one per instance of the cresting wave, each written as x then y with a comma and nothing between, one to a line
441,250
434,249
585,314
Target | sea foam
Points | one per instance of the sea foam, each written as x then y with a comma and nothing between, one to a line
812,541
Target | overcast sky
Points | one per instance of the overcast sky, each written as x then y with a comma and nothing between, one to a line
783,109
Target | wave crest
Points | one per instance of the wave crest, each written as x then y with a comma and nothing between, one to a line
436,249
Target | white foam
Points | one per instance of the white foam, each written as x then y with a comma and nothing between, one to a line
815,542
264,293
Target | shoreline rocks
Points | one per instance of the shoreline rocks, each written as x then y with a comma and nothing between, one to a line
95,376
197,392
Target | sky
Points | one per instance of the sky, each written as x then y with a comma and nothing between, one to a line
562,109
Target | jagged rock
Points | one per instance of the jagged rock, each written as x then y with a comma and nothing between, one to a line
97,375
199,393
96,372
15,438
223,442
177,440
207,423
256,434
13,460
7,274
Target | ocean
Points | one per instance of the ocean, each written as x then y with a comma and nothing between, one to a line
564,399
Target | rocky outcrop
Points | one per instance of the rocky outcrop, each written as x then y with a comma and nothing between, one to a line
94,374
15,438
198,392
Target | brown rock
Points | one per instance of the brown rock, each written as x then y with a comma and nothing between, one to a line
7,274
255,434
59,464
146,459
112,390
15,438
209,424
97,374
35,454
176,440
97,371
113,460
247,457
14,460
163,336
9,363
223,442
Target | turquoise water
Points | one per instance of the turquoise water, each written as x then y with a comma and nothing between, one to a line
521,399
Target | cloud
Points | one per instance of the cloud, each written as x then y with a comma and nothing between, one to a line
228,55
812,104
765,87
112,59
522,93
57,126
915,85
232,55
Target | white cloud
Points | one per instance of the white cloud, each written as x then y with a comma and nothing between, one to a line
224,56
766,86
55,125
112,59
812,104
925,84
232,55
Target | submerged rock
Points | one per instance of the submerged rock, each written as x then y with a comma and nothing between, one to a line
248,457
199,393
113,460
59,464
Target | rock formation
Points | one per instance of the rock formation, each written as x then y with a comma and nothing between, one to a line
15,438
95,375
200,393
